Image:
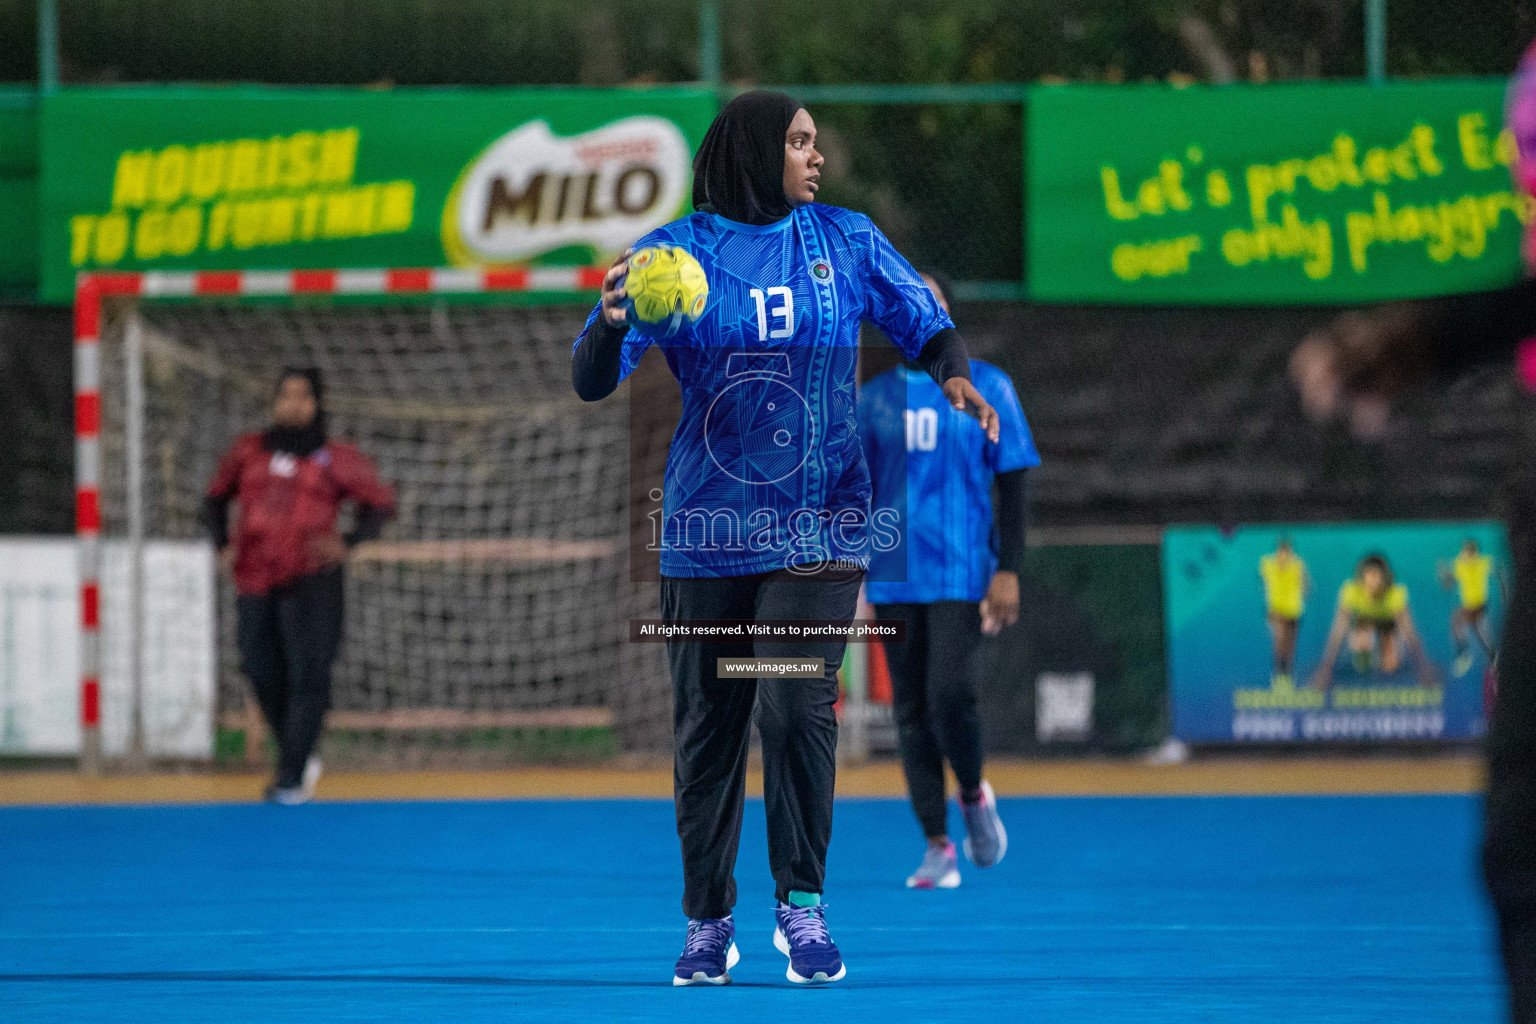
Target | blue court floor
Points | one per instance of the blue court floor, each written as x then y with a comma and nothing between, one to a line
1128,910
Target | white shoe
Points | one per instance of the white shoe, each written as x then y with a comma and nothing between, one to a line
940,869
1173,751
986,841
311,777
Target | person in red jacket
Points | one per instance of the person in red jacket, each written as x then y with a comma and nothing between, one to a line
289,481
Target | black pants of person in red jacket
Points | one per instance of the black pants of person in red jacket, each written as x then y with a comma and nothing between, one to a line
288,642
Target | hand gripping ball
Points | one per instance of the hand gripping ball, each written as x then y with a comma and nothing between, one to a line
664,288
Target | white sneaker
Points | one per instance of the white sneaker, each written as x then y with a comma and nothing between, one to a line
1173,751
985,838
290,797
311,778
940,869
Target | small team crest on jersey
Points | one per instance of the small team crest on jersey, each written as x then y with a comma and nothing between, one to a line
821,271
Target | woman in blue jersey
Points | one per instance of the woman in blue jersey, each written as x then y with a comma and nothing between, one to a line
766,500
954,576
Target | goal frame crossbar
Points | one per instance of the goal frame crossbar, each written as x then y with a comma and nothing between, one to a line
93,290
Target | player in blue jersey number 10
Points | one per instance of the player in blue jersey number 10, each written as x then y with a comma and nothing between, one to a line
953,577
766,502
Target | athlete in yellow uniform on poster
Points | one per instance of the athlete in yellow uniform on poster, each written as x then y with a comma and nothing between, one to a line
1286,586
1469,573
1373,613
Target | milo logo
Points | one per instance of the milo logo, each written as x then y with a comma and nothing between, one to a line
532,191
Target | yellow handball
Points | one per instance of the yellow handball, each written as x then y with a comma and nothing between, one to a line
664,288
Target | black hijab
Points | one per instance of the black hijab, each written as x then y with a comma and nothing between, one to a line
308,439
738,171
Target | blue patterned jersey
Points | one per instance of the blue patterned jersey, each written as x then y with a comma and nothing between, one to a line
765,470
932,466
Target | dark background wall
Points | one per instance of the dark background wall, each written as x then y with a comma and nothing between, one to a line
37,443
1187,415
1148,415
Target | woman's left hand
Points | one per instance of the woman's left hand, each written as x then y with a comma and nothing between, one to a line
327,548
1001,605
962,394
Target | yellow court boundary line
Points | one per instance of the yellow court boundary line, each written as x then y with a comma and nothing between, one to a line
1225,776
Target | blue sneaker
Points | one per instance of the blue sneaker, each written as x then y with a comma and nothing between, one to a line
802,936
709,953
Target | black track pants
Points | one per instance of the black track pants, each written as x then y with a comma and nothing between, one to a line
288,642
712,721
933,690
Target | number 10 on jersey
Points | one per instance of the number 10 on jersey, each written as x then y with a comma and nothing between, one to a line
922,429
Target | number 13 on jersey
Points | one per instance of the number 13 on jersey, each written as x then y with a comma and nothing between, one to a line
785,313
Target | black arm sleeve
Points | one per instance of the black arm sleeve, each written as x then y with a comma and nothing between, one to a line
1010,515
944,356
215,517
370,522
595,364
1466,330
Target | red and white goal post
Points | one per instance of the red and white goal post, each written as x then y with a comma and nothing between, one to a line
92,292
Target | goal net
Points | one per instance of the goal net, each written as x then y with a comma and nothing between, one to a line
488,623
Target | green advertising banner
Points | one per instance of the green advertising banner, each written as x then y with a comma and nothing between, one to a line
1306,193
211,179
